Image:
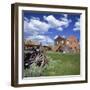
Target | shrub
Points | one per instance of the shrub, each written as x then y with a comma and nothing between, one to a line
34,71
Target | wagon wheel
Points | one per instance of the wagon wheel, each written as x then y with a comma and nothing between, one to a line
40,60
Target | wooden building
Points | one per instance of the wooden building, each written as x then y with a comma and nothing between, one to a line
70,44
59,40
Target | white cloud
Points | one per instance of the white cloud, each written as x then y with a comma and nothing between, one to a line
26,27
77,25
26,19
55,23
45,40
65,15
29,27
35,26
52,21
42,26
36,18
60,29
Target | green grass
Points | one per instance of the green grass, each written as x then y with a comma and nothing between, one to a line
62,64
59,64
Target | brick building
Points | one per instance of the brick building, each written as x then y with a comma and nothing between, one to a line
70,44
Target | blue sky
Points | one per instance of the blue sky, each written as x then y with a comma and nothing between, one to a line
46,26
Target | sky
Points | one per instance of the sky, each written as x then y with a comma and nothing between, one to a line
44,27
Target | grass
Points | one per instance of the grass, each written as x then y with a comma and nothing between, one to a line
62,64
59,64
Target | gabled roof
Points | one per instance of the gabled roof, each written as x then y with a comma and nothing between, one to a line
58,38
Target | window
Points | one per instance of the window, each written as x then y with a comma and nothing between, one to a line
62,42
67,42
57,42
